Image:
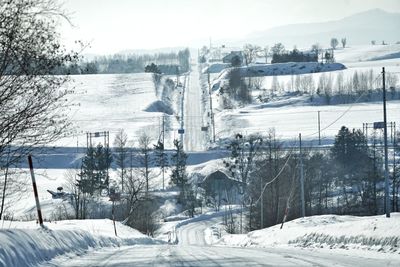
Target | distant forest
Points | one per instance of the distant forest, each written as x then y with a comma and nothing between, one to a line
169,63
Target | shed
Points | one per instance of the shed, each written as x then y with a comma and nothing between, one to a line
221,187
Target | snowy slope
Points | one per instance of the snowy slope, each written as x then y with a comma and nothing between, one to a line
26,244
108,102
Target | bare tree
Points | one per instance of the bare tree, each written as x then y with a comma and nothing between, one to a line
334,43
121,154
391,80
277,49
274,84
344,41
316,49
32,100
79,199
258,82
250,52
145,160
134,191
266,53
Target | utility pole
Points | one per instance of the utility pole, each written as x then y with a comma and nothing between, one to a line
319,128
182,108
262,203
211,108
387,202
163,149
303,208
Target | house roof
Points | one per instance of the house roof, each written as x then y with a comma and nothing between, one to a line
220,175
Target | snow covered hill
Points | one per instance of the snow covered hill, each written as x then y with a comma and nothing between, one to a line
361,28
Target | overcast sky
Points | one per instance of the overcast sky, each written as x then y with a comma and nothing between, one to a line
114,25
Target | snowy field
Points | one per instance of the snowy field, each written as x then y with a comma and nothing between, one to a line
108,102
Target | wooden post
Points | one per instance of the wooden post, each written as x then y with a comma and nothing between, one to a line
40,218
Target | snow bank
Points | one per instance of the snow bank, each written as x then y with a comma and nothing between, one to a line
24,244
371,233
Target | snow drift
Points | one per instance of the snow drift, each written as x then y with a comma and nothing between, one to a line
159,106
28,245
376,233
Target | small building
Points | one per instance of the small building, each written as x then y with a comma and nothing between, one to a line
221,188
229,57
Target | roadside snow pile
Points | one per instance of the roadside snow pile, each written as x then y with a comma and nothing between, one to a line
24,244
376,233
159,106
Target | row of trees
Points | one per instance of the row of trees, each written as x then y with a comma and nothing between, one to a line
335,42
346,179
131,63
330,86
279,54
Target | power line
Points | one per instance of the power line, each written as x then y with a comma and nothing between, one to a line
344,113
279,173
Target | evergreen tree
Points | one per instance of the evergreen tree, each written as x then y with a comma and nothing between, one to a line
179,176
161,157
153,68
87,183
94,170
354,170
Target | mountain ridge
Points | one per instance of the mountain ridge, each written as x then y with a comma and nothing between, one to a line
360,28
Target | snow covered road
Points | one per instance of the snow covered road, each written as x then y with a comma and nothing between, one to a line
192,250
194,137
204,256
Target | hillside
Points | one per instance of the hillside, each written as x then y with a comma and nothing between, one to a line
359,29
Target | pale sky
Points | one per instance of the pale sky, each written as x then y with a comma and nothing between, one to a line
115,25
